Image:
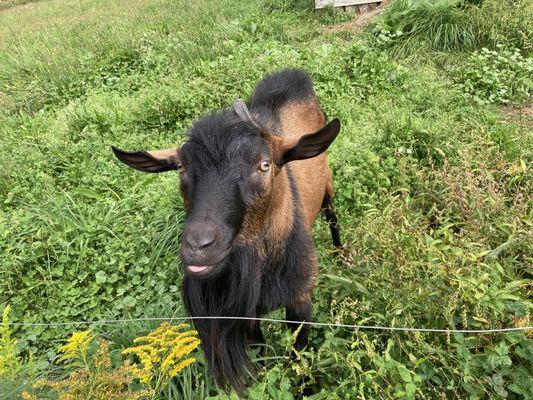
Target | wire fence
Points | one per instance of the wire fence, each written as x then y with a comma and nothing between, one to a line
317,324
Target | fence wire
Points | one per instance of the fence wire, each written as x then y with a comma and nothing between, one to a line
318,324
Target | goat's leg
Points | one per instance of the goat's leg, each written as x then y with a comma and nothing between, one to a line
256,335
299,309
331,219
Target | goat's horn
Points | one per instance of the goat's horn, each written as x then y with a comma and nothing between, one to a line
242,111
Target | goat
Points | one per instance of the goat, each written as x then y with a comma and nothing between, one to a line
253,179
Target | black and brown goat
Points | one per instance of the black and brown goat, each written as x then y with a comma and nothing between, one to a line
253,179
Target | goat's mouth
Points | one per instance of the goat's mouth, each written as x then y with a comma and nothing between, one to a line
200,269
203,271
205,268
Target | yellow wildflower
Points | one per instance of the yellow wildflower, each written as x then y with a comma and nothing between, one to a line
182,348
162,354
96,380
77,346
10,364
180,366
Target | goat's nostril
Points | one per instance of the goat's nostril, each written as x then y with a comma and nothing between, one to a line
200,237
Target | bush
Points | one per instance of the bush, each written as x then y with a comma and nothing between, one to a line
497,76
16,372
91,373
10,363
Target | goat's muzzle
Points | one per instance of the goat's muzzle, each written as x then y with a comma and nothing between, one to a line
203,249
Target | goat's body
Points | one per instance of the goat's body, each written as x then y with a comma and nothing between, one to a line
274,263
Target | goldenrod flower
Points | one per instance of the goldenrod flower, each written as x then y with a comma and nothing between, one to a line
96,380
77,346
162,354
180,366
10,363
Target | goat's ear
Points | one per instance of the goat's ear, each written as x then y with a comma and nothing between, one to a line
149,161
311,145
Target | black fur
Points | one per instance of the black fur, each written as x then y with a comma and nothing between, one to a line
249,289
246,288
278,88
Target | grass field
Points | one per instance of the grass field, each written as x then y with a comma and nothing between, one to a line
432,172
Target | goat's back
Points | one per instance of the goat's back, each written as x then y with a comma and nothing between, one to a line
290,97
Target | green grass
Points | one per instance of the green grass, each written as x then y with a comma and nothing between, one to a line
408,27
433,188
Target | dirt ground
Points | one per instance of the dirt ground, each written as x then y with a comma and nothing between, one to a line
357,23
523,113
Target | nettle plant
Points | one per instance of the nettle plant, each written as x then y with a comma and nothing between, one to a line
497,76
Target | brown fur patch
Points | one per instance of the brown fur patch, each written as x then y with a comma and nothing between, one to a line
281,212
313,177
270,217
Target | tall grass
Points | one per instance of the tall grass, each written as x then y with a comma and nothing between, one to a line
86,45
407,26
4,4
505,22
434,25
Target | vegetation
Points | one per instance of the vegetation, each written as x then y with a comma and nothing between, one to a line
411,26
10,362
161,355
433,188
93,375
497,76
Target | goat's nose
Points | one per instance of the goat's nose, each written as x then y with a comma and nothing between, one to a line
199,237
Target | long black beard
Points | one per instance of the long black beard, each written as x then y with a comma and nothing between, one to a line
235,293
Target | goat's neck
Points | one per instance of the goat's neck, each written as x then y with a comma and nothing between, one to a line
280,215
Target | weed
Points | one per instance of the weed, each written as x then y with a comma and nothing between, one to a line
95,378
497,76
10,363
504,22
407,26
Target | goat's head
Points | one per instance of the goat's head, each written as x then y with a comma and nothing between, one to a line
228,168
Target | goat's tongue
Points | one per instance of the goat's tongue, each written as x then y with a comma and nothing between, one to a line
197,268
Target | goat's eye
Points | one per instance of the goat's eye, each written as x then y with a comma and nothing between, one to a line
264,166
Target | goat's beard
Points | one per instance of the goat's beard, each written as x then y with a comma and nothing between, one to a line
235,293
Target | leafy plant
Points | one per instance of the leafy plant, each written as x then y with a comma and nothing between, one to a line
497,76
408,25
507,22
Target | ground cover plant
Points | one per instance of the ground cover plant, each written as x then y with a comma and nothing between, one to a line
432,176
